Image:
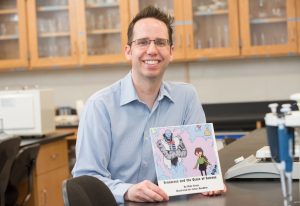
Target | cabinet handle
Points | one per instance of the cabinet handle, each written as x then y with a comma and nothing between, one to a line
45,197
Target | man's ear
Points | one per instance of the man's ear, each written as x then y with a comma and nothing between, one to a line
128,52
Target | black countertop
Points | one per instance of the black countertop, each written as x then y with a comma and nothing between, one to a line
57,135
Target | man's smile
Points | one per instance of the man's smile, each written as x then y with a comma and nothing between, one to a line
151,62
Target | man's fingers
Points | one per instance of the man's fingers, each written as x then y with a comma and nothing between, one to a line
152,196
158,192
146,191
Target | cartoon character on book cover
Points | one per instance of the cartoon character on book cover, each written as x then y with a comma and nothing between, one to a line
202,161
182,151
172,148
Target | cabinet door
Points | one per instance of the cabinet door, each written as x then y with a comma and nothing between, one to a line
102,31
174,8
13,49
268,27
52,33
211,29
49,187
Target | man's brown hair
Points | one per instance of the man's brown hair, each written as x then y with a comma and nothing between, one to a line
151,12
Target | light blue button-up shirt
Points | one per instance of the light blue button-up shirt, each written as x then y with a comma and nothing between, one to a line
113,142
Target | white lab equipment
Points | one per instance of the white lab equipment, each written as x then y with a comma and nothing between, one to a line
27,112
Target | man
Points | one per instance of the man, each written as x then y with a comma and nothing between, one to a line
113,138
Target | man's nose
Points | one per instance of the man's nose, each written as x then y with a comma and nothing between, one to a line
152,48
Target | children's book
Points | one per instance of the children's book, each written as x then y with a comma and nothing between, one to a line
186,159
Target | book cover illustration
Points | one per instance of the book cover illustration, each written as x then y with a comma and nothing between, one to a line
186,159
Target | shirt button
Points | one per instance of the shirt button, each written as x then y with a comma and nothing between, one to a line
145,164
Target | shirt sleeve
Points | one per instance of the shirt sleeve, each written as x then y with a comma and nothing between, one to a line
93,148
194,111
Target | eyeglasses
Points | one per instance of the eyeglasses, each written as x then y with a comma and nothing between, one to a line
143,43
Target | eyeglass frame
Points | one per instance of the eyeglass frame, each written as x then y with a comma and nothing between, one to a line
149,42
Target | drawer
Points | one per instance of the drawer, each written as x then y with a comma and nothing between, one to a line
49,187
52,156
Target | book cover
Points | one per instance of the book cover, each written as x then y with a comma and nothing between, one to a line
186,159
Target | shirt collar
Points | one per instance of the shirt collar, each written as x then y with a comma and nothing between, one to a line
128,93
164,91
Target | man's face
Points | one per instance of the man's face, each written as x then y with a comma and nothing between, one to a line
152,60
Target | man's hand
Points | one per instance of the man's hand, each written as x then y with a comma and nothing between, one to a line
145,191
217,192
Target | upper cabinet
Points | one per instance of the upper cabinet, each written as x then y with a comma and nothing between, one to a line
268,27
13,42
203,29
102,29
206,29
62,33
69,33
211,28
52,33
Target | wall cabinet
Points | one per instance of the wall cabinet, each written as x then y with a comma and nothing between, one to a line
268,27
66,33
102,28
203,29
230,28
53,34
211,29
13,42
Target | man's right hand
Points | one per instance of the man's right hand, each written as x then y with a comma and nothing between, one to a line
145,191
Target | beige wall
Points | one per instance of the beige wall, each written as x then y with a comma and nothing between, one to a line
247,80
216,81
